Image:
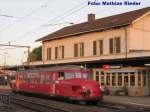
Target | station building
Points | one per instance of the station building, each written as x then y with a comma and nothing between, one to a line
119,40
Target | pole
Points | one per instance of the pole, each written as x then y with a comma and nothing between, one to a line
28,59
20,46
126,42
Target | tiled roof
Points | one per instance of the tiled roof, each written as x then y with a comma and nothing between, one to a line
97,25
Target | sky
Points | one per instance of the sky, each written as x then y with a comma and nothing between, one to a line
24,21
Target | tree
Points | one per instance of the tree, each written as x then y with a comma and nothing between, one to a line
36,54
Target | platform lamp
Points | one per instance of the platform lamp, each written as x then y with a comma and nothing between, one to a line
81,67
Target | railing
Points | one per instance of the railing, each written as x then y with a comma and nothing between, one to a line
5,98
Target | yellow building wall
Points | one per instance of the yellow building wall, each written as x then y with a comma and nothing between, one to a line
88,39
138,38
139,34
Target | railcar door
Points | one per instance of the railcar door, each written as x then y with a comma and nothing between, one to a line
17,82
53,82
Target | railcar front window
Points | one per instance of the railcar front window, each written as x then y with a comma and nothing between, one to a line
78,75
86,75
69,75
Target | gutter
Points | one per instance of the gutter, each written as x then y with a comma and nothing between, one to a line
105,28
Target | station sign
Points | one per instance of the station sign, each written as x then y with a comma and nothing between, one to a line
106,67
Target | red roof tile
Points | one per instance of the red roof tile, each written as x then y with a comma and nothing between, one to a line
123,19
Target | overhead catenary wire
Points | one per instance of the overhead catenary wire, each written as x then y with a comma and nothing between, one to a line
61,17
5,15
22,18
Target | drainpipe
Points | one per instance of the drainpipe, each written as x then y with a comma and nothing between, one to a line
126,43
43,48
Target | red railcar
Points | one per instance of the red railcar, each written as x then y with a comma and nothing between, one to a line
66,81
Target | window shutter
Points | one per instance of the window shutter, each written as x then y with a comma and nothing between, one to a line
117,44
111,46
56,52
101,46
94,47
75,50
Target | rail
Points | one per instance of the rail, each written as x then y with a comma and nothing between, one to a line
49,105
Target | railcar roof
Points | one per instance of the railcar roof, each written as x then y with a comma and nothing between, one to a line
56,68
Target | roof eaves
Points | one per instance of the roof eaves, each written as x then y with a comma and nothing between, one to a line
105,28
141,17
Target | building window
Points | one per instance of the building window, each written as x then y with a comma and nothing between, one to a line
75,50
79,50
111,46
48,53
113,79
63,51
94,47
126,80
114,45
108,79
101,47
119,79
59,52
98,47
117,44
132,80
97,76
139,79
56,52
102,78
144,80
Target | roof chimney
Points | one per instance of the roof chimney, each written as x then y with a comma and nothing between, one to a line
91,17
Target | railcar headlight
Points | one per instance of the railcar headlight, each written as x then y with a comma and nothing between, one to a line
83,87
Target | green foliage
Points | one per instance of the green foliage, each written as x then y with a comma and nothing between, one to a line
36,54
125,89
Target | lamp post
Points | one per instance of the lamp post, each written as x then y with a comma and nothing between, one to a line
5,54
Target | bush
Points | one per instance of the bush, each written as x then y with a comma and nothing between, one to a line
123,91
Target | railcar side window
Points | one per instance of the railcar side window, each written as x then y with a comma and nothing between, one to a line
42,79
47,79
78,75
61,76
69,75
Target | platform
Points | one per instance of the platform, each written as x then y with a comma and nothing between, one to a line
129,101
5,89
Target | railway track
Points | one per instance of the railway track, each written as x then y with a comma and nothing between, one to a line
45,105
49,105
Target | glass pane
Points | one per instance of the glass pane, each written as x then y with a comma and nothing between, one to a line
144,79
113,80
126,80
119,79
97,76
78,75
132,80
108,79
69,75
139,80
61,76
85,75
102,80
